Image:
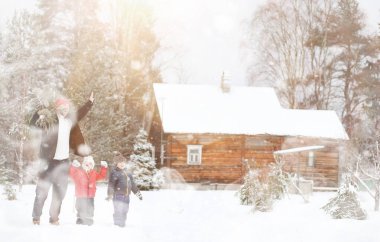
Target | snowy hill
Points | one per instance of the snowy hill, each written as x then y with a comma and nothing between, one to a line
188,216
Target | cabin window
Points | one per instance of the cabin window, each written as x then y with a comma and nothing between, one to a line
311,160
194,154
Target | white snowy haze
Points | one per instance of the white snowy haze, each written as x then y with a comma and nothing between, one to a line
200,39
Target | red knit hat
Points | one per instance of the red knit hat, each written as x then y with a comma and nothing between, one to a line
61,101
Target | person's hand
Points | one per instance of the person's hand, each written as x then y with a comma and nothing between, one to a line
75,163
108,198
104,163
91,98
139,195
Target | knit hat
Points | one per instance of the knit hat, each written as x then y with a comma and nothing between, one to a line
88,163
61,101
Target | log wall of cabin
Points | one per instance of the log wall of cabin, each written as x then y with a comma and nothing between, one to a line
224,157
259,150
221,157
325,171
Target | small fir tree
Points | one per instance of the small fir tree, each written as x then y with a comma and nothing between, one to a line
143,165
249,188
255,192
346,204
277,180
262,191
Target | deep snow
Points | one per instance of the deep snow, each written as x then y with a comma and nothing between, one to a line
189,216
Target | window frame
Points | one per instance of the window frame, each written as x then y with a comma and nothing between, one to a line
189,155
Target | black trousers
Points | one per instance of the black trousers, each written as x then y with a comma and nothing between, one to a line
55,175
85,210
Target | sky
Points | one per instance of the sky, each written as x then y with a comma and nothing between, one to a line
189,215
201,39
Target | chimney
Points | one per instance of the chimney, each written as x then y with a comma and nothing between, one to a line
224,84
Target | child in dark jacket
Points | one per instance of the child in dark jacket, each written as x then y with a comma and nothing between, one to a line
85,178
120,186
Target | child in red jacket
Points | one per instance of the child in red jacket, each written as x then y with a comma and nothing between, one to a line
85,178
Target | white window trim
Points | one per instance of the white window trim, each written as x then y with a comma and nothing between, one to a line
194,147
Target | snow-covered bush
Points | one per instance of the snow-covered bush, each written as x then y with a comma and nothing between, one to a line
346,203
370,170
9,191
7,177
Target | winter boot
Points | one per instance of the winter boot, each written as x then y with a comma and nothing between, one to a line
53,222
79,221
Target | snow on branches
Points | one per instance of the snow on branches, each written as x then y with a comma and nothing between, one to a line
346,203
147,176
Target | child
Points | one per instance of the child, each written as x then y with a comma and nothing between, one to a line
120,186
85,178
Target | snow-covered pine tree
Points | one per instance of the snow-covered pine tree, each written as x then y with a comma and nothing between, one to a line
261,191
16,86
52,44
114,59
277,180
346,203
35,50
255,192
143,165
250,186
8,177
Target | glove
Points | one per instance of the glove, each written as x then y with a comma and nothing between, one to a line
75,163
104,163
139,195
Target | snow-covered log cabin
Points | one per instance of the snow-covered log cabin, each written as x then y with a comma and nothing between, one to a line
211,133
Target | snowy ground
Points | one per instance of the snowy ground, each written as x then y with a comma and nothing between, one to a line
189,216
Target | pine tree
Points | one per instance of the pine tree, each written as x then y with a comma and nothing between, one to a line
277,180
346,204
368,133
261,191
249,188
16,88
256,192
353,47
114,59
145,173
67,51
52,44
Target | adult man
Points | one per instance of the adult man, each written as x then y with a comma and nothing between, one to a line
54,150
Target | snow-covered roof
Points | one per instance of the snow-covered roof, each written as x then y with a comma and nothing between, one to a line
185,108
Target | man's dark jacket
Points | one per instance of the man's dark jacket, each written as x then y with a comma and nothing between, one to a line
50,136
